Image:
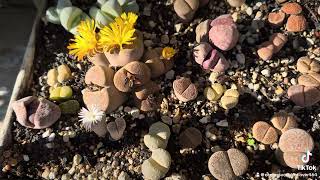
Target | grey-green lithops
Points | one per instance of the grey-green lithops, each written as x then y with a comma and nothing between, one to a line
157,166
69,107
158,136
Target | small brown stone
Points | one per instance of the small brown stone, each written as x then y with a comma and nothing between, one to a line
265,51
276,18
306,65
132,75
100,75
291,8
304,96
312,79
284,121
296,23
190,138
228,164
264,133
184,89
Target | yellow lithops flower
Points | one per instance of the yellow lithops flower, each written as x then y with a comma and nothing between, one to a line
168,52
85,42
119,33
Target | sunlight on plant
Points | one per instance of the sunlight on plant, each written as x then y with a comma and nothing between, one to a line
85,42
168,52
119,33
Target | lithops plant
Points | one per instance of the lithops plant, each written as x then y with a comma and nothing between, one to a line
60,93
229,99
67,15
214,92
116,128
35,113
107,10
202,31
265,133
107,99
210,58
304,96
224,33
132,75
291,8
100,75
311,79
184,89
228,164
93,119
294,144
296,23
284,121
236,3
144,96
58,75
120,41
276,18
186,9
190,138
158,136
159,61
69,107
274,45
157,166
99,59
306,65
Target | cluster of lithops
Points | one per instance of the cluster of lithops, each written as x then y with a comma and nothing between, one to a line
269,48
296,22
228,164
222,32
184,89
103,13
186,9
157,166
294,143
307,92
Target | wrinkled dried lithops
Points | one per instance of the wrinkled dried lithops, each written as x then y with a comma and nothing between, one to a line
228,164
214,92
304,95
276,18
185,9
202,31
229,99
158,66
311,79
131,75
190,138
158,136
284,121
294,144
184,89
116,128
264,133
107,99
157,166
100,75
291,8
306,65
296,23
36,113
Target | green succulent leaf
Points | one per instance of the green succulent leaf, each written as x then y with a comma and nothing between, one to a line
112,7
101,2
52,15
131,6
251,142
62,4
101,18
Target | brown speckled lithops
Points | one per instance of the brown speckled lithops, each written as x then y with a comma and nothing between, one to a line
265,133
228,164
294,143
284,121
190,138
184,89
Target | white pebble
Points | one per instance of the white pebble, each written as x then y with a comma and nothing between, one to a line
266,72
205,120
26,157
51,137
249,11
223,123
46,133
135,112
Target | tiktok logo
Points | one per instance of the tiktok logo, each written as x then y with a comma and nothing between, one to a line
306,157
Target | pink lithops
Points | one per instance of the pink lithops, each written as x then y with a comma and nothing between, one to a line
185,9
100,75
99,59
284,121
184,89
294,144
266,50
306,65
202,31
210,58
276,18
36,113
304,96
224,33
116,128
228,164
265,133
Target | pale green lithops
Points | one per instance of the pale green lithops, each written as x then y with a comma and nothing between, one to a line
229,99
157,166
158,136
61,93
214,92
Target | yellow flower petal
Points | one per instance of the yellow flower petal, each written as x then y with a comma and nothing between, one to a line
168,52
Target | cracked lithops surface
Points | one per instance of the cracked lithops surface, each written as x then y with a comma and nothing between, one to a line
284,121
264,132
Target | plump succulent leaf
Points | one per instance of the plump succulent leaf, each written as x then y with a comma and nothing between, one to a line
62,4
112,7
131,6
101,18
52,15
